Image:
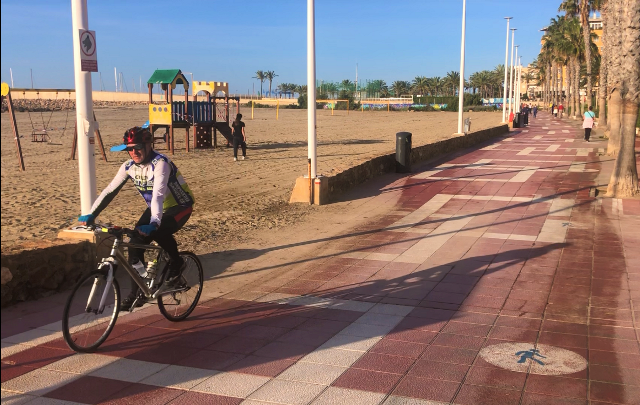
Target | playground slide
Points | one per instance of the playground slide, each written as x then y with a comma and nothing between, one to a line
225,130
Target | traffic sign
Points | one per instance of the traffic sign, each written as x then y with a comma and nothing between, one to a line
88,54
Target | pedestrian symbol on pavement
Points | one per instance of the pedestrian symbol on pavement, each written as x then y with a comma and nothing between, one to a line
529,354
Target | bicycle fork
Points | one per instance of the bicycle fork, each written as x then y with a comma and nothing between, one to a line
95,287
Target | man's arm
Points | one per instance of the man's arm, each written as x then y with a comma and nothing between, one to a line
109,193
161,173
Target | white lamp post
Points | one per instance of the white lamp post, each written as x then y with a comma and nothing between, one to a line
461,89
311,87
506,61
84,111
513,34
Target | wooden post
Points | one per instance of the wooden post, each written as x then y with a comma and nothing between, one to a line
150,86
75,142
193,115
16,136
169,94
97,133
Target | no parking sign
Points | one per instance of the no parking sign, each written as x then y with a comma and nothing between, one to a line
88,54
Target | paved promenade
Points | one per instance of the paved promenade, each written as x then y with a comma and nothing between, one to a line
494,278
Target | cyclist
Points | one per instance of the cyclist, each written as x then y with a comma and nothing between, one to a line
168,197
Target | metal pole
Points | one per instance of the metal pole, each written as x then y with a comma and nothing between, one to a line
513,34
461,89
11,73
506,61
84,112
311,87
519,81
31,72
115,73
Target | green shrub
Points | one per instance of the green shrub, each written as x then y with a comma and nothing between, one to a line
426,108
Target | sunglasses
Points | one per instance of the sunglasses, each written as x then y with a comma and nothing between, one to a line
139,146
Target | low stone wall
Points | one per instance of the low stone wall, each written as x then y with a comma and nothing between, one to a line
354,176
38,269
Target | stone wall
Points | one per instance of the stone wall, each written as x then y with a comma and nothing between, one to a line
354,176
38,269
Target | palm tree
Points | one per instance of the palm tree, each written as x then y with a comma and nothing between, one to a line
420,85
452,80
400,87
624,93
270,75
260,76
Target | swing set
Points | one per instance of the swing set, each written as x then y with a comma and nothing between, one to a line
38,134
41,134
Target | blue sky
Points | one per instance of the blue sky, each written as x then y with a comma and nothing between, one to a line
230,40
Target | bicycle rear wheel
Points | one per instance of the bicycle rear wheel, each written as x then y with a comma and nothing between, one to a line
84,327
176,306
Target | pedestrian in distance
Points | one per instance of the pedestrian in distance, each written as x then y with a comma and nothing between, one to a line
555,111
535,111
587,124
560,110
239,138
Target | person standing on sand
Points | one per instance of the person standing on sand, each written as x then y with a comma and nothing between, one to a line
587,124
239,138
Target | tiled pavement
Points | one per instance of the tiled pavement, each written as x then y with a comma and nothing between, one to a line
502,244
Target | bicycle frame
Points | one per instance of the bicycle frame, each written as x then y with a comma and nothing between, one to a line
116,252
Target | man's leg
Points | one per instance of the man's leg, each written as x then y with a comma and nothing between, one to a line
172,220
244,148
136,255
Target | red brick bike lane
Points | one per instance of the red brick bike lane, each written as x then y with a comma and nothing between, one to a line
496,279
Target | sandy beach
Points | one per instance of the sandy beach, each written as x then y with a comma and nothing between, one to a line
232,198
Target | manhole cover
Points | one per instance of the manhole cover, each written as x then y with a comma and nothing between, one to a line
535,359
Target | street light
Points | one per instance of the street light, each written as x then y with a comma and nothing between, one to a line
191,83
311,91
513,34
461,88
506,61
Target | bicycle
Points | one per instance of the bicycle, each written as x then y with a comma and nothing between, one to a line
92,308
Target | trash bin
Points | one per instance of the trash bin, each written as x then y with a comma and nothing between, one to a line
516,120
467,125
526,118
403,152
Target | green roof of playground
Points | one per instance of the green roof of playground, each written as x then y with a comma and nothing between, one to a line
164,76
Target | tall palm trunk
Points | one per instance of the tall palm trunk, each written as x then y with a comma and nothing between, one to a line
602,85
576,83
561,72
570,94
586,35
624,99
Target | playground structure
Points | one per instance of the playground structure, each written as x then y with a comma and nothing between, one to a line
41,135
211,116
206,117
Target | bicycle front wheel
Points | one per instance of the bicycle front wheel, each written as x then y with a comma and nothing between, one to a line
176,306
85,326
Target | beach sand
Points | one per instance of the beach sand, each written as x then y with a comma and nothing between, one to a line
232,198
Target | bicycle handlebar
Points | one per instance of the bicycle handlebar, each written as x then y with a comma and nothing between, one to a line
112,230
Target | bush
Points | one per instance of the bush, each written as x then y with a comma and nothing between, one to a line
258,105
480,108
424,108
302,102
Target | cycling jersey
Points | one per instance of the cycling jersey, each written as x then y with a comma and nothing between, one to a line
158,181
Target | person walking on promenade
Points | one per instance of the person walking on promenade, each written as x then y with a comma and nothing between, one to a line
587,124
560,110
239,138
535,111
